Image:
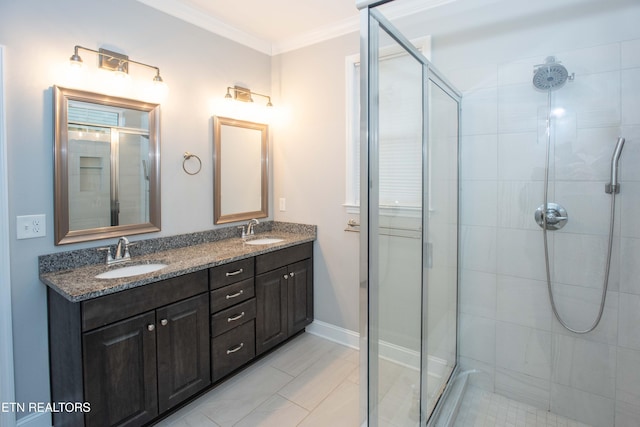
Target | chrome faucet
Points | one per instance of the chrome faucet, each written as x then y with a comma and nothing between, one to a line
120,255
122,251
252,223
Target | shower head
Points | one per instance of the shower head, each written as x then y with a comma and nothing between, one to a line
550,76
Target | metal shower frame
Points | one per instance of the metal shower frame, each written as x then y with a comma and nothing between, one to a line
371,22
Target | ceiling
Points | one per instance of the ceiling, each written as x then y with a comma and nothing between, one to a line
277,26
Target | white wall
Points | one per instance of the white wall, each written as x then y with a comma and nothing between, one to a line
197,67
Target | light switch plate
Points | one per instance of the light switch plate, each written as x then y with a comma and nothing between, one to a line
31,226
283,204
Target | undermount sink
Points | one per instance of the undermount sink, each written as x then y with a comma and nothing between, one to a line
130,270
264,241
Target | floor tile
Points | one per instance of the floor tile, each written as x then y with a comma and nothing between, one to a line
230,402
339,409
316,382
274,412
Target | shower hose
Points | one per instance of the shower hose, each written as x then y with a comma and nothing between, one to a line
546,245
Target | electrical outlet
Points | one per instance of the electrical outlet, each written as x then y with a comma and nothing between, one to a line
31,226
283,204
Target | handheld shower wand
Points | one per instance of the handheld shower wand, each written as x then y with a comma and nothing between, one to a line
614,185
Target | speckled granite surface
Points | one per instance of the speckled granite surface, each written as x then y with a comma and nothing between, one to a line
73,273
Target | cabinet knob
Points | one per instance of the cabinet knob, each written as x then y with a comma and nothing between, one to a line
286,276
164,322
151,327
291,274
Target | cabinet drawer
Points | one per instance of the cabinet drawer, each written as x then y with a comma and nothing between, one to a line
121,305
233,272
231,295
231,350
277,259
230,318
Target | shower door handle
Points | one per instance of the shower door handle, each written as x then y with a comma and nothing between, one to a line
429,251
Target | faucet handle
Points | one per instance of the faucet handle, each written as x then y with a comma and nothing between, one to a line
108,250
127,245
244,233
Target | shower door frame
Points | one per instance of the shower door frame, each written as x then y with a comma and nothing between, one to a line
371,22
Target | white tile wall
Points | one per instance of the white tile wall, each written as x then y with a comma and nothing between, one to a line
507,330
523,350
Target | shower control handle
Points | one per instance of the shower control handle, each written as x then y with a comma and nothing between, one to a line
556,216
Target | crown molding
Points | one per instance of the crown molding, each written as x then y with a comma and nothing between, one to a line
336,29
196,17
318,35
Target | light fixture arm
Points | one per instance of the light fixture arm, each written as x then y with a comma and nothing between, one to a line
113,57
247,94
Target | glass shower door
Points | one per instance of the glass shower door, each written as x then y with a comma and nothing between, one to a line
399,234
410,173
441,265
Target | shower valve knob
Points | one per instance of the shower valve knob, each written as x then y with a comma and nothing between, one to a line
556,216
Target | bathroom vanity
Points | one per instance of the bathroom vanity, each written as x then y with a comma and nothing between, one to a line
136,347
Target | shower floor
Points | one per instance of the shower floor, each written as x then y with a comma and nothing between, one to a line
481,408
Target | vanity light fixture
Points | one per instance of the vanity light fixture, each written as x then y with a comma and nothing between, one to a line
112,61
243,94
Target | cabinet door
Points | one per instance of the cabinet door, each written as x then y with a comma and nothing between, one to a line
300,295
120,372
271,312
183,350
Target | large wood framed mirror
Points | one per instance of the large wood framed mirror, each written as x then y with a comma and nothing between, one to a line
107,166
241,170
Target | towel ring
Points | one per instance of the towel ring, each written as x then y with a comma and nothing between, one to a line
187,156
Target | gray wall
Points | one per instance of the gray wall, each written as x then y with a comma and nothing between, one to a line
196,65
310,154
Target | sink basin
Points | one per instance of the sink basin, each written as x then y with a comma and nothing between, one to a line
264,241
130,270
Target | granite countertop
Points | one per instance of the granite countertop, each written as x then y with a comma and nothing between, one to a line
79,284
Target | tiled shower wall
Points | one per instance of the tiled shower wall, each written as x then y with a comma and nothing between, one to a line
507,330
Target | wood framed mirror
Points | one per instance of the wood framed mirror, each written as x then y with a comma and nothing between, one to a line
107,166
240,151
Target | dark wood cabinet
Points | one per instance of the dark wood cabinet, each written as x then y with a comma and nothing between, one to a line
120,373
300,296
271,297
284,294
183,350
233,313
132,367
136,354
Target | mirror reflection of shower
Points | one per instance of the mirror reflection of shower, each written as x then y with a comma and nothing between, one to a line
548,77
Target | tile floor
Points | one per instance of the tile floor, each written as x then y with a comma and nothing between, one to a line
481,408
307,382
311,382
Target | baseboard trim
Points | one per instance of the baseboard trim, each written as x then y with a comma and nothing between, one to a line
401,355
42,419
335,333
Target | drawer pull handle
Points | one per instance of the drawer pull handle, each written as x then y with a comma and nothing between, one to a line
234,318
236,348
164,322
237,294
151,327
234,273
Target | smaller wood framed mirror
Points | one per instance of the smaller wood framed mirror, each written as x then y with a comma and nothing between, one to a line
240,151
